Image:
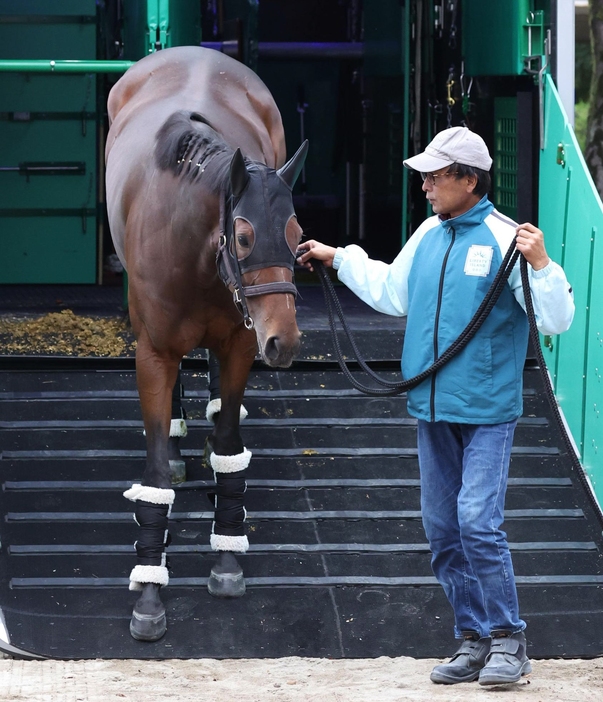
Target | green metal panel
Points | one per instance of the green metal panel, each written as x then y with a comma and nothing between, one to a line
24,142
41,93
505,156
571,216
135,29
497,35
184,23
48,224
62,29
150,25
48,9
48,236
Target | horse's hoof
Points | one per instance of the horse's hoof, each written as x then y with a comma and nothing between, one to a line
226,584
177,471
148,627
226,577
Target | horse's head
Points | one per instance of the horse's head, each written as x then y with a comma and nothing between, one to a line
265,238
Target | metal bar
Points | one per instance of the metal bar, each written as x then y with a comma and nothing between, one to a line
47,485
118,549
288,581
110,395
23,116
258,452
295,49
326,422
12,517
47,168
63,66
47,212
291,50
406,120
47,19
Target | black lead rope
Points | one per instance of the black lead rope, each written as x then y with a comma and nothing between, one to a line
395,388
569,446
390,388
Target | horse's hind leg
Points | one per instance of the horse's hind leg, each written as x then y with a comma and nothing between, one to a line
154,497
214,405
177,431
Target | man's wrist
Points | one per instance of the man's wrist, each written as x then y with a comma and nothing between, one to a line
540,264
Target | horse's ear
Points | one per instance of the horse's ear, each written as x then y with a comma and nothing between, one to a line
239,177
291,170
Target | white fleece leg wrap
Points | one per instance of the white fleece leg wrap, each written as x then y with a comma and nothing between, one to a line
178,428
221,542
142,574
229,464
157,496
158,574
214,406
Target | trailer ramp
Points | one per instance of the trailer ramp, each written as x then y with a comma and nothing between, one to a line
338,564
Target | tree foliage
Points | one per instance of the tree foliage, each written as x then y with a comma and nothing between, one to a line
594,128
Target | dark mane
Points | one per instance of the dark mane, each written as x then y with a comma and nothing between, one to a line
186,143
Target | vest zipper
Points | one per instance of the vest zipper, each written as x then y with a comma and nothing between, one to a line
436,325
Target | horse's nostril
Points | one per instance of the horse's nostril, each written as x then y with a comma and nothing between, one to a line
281,350
272,348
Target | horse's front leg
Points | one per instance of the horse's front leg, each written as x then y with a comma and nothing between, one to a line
155,375
229,460
178,430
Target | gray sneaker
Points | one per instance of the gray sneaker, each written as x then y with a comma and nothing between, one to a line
466,663
507,660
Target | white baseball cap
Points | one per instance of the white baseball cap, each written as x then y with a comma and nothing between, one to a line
454,145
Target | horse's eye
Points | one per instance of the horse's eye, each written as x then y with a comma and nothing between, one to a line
243,240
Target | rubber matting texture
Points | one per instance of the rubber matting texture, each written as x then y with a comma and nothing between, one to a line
377,335
53,298
338,564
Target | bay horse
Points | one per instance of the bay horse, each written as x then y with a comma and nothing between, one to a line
201,214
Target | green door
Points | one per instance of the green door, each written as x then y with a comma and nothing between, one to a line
48,146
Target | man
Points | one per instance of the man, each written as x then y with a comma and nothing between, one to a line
467,412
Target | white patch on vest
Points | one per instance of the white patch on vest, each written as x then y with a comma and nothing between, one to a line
479,259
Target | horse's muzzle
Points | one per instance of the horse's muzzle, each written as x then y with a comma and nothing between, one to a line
280,351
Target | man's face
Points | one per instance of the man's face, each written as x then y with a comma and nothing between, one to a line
448,195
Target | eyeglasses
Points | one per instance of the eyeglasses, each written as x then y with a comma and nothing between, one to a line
431,177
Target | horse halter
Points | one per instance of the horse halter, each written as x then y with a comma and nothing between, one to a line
262,196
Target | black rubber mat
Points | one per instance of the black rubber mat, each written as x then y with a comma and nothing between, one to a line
376,333
53,298
338,564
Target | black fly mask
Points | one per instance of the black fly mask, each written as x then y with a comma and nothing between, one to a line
261,196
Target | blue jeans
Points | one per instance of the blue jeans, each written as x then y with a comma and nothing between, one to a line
464,470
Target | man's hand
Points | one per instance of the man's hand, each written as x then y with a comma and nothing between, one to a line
530,241
314,249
